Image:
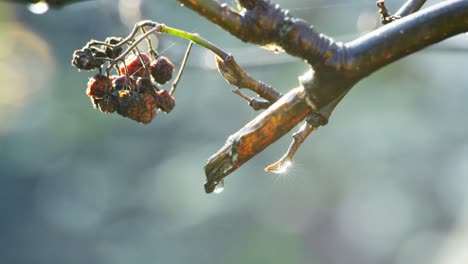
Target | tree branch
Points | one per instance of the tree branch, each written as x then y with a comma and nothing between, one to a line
324,89
264,23
410,7
405,36
255,136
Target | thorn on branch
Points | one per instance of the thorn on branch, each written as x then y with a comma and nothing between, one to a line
385,16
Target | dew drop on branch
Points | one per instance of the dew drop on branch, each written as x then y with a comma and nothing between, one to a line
219,187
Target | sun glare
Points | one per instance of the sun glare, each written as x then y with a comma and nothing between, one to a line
39,8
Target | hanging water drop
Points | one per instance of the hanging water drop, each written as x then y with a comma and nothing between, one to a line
219,187
39,8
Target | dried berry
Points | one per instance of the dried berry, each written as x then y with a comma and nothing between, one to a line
113,52
99,54
143,84
87,59
148,107
161,70
165,101
107,104
139,107
97,86
135,66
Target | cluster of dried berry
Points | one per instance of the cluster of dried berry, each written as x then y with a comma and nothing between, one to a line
133,92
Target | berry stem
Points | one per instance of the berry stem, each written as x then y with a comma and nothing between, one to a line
156,28
182,67
196,38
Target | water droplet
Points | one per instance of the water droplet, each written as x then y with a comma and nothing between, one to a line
39,8
279,167
219,187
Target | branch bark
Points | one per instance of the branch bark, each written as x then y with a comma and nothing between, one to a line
405,36
410,7
337,66
264,23
255,136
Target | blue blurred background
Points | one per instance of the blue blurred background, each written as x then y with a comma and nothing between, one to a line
384,182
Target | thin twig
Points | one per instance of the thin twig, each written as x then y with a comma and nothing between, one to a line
150,45
313,121
410,7
182,67
157,28
195,38
242,95
143,63
286,160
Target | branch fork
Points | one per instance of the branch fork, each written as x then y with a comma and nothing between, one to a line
337,67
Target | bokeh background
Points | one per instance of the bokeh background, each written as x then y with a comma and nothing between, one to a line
385,182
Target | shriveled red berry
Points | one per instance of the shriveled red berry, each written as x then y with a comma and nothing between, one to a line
161,70
139,107
135,65
97,86
147,108
165,101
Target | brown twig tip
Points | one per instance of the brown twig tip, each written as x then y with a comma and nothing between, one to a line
385,16
282,165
